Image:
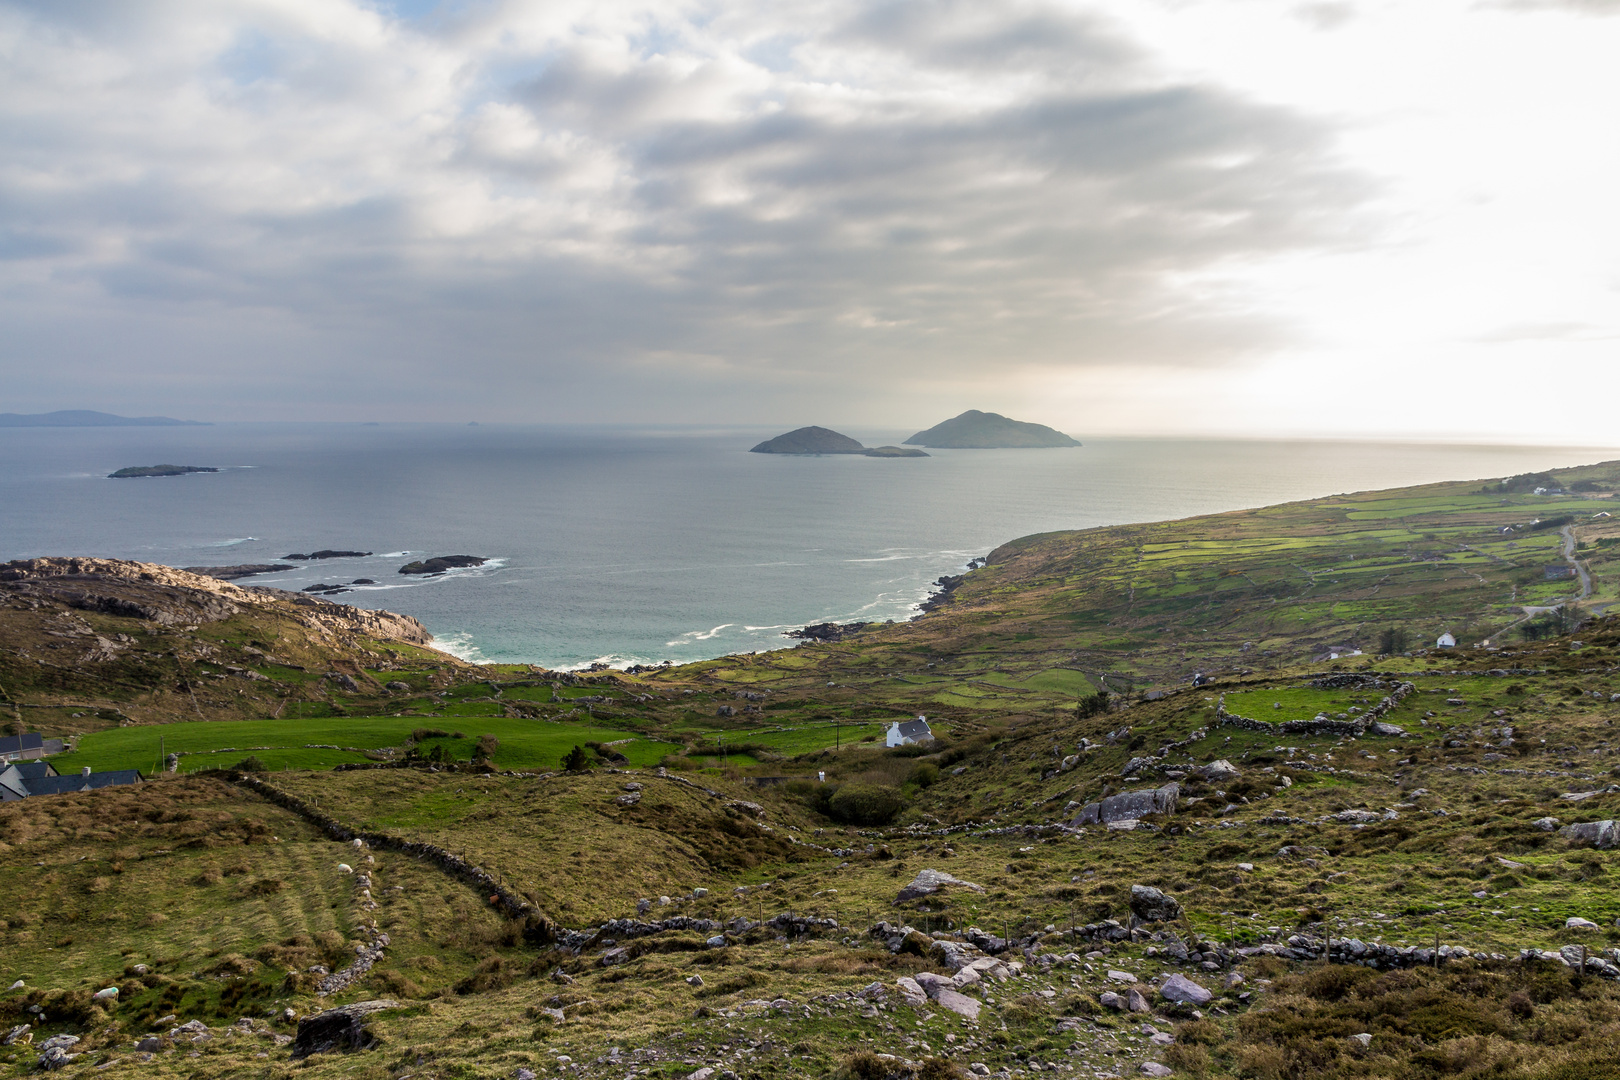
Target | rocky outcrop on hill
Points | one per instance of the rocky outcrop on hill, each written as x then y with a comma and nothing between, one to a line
1129,806
975,430
170,597
338,1029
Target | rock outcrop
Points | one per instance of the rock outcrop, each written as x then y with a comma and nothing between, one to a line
440,563
929,882
1129,806
342,1028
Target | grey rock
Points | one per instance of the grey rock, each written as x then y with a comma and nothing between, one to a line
1575,922
615,956
1378,727
398,687
338,1029
911,991
929,882
960,1004
1153,1068
1152,905
1131,805
1357,817
1546,824
1137,1001
1600,834
1220,771
1365,1039
1111,1000
1180,988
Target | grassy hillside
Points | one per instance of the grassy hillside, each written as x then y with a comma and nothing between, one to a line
702,815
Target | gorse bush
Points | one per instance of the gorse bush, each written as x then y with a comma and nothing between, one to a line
864,804
576,760
251,763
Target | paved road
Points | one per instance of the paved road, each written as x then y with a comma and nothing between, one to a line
1568,533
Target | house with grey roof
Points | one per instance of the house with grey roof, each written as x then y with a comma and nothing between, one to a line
909,732
22,780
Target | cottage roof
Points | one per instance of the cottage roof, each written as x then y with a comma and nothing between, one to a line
16,744
61,785
912,729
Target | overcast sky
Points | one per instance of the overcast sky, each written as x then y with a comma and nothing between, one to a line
1238,216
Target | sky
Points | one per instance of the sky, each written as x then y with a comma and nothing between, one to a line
1371,218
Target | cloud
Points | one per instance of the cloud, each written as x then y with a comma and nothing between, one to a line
644,200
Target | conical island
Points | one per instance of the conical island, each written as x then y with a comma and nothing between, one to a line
975,430
820,440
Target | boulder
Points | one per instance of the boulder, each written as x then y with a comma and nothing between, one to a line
1180,988
338,1029
932,984
1219,772
1545,824
911,991
1152,905
1575,922
22,1033
1153,1068
1357,817
1365,1039
1137,1001
960,1004
1130,805
1600,834
929,882
1378,727
1111,1000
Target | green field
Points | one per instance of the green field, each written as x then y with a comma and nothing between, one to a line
524,744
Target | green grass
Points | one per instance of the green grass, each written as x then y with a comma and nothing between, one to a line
524,744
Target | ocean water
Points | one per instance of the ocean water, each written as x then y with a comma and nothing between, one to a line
639,544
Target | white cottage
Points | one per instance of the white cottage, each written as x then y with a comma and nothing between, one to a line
1445,641
909,732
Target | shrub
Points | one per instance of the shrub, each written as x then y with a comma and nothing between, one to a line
251,763
926,774
864,804
423,734
576,760
1095,705
485,748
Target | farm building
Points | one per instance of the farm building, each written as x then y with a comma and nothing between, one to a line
26,779
909,732
23,747
1557,572
1445,641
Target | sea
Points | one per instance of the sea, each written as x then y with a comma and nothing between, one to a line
625,545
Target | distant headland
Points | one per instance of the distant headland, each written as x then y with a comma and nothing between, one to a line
159,470
820,440
975,430
87,418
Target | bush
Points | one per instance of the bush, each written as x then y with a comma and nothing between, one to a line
1095,705
423,734
576,760
926,774
251,763
864,804
485,748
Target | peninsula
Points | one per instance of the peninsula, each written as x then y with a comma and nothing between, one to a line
975,430
820,440
159,470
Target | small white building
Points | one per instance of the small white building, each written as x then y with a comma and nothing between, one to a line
1445,641
909,732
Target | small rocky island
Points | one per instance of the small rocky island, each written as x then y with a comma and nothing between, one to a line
820,440
975,430
440,563
158,470
329,553
241,570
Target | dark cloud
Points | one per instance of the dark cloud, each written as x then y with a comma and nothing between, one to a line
906,192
